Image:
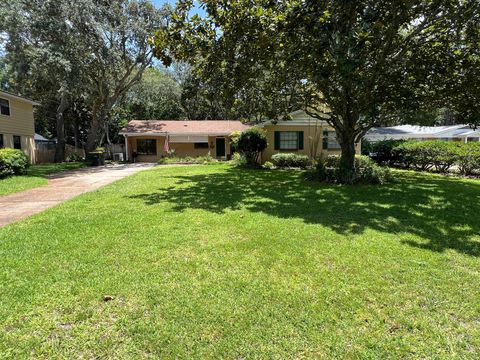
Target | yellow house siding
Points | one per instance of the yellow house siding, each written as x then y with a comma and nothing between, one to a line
308,140
20,122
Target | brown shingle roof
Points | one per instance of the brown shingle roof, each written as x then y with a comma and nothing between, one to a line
214,127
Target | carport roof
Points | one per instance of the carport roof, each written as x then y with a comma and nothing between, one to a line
162,127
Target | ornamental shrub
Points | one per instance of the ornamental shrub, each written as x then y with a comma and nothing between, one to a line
250,143
468,158
290,160
366,171
12,162
428,155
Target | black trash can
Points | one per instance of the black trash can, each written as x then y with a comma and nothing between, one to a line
96,158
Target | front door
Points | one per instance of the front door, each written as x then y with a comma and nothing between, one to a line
220,146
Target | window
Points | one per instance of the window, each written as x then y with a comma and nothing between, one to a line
146,147
200,145
4,107
288,140
330,140
1,141
17,142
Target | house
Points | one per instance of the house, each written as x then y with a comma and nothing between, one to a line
17,128
301,134
405,132
145,139
149,140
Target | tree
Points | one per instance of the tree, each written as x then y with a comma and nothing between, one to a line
250,143
45,56
117,35
360,63
156,96
78,58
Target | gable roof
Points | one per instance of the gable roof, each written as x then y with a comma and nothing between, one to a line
162,127
18,97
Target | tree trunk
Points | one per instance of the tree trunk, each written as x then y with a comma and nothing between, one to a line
346,169
94,131
60,148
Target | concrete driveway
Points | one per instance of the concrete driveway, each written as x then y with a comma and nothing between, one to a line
61,187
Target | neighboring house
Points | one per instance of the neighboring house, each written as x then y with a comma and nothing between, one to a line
302,134
145,139
404,132
42,143
17,129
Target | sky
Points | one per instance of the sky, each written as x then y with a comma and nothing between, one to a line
195,10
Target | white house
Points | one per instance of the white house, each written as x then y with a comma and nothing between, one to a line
405,132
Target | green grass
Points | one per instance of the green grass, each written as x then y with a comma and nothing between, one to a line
34,177
216,262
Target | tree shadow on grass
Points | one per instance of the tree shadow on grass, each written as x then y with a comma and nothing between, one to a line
444,212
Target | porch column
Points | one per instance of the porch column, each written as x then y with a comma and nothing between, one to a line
126,148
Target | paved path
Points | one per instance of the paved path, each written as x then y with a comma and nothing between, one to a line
61,187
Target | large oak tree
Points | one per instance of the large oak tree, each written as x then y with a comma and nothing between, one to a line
360,63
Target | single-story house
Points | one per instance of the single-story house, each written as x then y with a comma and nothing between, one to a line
17,127
149,140
405,132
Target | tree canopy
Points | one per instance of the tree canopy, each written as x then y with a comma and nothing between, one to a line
354,64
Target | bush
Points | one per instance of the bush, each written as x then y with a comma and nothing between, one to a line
429,155
366,171
238,159
268,165
12,162
250,144
207,159
290,160
468,158
384,152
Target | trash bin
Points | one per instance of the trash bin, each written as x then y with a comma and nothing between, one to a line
96,158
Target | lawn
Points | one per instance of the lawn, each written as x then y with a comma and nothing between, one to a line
216,262
34,177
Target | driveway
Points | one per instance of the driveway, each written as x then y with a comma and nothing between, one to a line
61,187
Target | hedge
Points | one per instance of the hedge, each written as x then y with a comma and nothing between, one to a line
428,155
12,162
290,160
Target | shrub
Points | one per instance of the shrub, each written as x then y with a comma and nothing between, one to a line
268,165
468,158
284,160
366,171
428,155
12,162
384,152
250,144
207,159
238,159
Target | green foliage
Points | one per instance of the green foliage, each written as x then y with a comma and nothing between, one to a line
428,155
251,143
156,96
354,64
12,162
207,159
268,165
239,160
291,160
366,171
